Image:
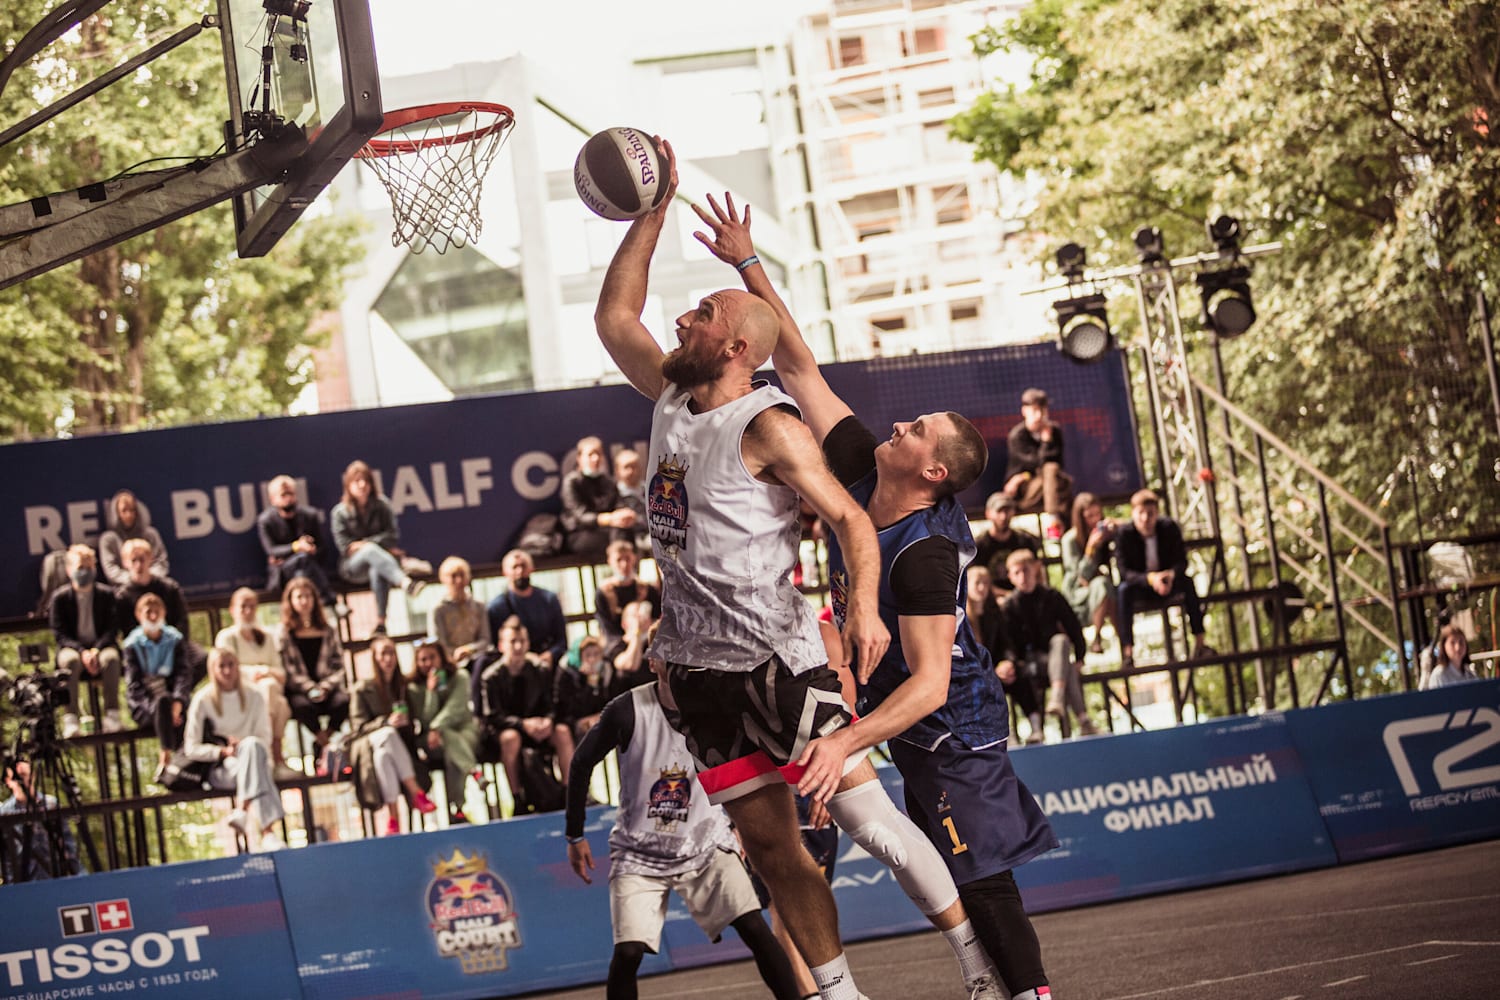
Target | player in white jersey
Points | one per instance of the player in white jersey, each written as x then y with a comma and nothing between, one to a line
667,837
755,698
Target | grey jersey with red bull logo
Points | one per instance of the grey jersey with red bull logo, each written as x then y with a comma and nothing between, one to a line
725,543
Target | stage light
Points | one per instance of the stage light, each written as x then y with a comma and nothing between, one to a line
1227,309
1149,246
1083,327
1225,232
1070,261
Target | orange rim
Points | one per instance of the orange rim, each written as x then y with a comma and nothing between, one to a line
406,117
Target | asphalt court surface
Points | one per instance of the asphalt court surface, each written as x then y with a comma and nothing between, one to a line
1419,925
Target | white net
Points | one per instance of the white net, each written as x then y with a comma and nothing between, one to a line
433,169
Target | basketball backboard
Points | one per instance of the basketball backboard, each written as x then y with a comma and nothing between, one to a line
297,64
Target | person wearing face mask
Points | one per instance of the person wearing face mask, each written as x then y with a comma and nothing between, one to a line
86,628
538,608
292,535
137,557
127,519
593,513
158,680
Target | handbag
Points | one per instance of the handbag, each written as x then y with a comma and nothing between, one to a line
334,761
182,773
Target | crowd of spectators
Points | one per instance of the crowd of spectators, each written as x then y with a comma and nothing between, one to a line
500,683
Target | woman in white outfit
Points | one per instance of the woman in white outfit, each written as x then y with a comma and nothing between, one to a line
230,710
260,662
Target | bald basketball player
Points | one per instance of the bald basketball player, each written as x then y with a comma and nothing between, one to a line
745,664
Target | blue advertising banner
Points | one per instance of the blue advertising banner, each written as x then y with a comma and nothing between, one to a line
1405,772
212,928
488,910
463,476
1151,812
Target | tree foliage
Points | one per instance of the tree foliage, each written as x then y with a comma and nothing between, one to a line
1357,133
169,327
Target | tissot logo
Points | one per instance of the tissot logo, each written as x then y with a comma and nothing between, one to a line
77,920
108,917
1480,729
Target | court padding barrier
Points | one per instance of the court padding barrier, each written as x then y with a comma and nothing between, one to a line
494,910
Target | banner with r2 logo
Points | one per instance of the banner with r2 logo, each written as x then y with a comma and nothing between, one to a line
1405,772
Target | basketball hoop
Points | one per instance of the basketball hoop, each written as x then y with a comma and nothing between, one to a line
432,160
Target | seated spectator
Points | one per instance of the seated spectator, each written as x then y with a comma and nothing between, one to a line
517,710
1152,561
365,536
458,621
622,588
127,519
158,680
539,609
85,626
982,610
438,698
581,690
32,852
292,536
1451,664
226,724
1043,645
630,483
1034,473
379,751
313,659
999,540
1088,550
627,656
592,512
136,554
260,662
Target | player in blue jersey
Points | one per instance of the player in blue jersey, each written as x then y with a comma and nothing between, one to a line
960,787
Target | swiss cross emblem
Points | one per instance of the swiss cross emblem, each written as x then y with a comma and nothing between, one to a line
113,916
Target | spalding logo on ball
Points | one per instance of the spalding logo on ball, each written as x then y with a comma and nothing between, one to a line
620,174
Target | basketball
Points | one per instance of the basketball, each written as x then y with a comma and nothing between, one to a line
620,174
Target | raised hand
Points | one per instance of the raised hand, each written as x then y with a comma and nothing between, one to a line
731,241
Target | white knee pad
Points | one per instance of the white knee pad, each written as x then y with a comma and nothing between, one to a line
867,814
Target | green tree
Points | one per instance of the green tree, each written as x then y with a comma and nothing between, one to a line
169,327
1357,133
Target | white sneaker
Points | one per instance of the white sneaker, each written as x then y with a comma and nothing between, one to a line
270,843
985,988
416,567
413,586
111,721
70,727
239,820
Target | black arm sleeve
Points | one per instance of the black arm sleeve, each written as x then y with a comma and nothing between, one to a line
924,577
850,450
616,726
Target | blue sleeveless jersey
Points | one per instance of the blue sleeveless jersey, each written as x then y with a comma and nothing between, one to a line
975,712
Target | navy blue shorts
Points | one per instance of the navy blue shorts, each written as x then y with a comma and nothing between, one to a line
973,807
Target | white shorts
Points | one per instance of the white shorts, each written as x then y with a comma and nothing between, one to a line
716,895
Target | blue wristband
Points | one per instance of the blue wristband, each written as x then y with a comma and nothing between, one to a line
747,262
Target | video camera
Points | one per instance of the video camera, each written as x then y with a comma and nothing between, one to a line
34,695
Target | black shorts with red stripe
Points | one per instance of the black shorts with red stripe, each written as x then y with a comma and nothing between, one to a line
746,729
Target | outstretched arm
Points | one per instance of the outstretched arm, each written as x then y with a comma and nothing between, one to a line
794,361
617,317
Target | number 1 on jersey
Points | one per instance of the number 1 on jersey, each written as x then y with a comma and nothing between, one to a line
959,846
